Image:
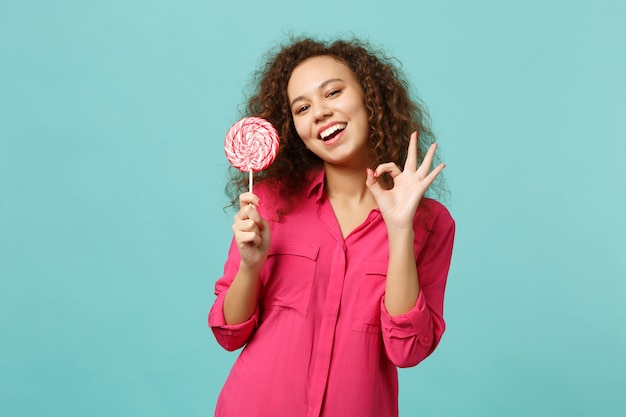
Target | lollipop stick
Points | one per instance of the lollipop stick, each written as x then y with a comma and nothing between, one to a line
250,181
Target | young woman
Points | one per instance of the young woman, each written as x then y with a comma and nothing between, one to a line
337,270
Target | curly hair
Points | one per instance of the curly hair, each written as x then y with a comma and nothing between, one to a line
393,115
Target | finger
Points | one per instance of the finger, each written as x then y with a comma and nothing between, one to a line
428,160
247,225
244,228
389,167
370,179
372,184
250,212
433,174
248,198
411,155
248,239
247,232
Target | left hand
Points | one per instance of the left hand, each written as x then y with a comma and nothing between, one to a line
399,204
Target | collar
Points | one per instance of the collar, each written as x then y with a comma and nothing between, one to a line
316,183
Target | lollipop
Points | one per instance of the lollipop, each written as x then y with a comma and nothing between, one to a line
251,145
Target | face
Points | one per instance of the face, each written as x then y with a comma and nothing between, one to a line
329,112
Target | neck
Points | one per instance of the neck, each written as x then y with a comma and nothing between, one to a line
346,184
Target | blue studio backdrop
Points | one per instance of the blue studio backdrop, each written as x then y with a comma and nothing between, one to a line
112,174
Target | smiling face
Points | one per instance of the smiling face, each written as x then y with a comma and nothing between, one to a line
329,111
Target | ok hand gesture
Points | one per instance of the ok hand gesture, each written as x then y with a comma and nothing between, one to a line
399,204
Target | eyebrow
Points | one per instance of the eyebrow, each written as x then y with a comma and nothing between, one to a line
321,86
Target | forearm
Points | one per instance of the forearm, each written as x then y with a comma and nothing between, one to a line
402,286
242,296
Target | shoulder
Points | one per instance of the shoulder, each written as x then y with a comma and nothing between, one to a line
434,209
269,194
435,230
275,204
432,216
279,201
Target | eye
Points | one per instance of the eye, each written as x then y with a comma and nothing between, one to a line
333,93
301,109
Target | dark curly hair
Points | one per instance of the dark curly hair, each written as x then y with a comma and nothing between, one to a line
393,115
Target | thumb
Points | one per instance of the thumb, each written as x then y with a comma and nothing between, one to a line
372,184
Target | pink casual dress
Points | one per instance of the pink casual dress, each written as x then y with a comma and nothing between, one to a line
320,342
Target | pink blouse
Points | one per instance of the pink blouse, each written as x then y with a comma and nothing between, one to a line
320,342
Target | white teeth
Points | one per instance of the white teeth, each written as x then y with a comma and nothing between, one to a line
327,132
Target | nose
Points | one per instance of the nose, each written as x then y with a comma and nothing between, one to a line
322,111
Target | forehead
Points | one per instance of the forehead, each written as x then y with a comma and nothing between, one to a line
312,72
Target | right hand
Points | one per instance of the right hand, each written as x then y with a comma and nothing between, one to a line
252,232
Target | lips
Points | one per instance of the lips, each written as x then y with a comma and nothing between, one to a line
330,131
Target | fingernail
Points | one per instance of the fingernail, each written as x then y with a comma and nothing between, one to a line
375,174
260,203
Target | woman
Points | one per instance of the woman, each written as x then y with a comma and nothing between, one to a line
337,270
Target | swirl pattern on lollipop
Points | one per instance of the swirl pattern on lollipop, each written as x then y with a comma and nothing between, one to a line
251,144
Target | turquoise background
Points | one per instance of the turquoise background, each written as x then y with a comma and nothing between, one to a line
112,228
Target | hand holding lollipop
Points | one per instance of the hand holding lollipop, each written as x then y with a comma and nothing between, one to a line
251,145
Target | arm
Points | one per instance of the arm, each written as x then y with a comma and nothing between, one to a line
402,285
410,331
234,314
411,337
252,235
230,337
398,207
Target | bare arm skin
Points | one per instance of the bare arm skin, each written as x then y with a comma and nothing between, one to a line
398,207
252,234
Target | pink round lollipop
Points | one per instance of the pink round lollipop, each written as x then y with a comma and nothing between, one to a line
251,144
